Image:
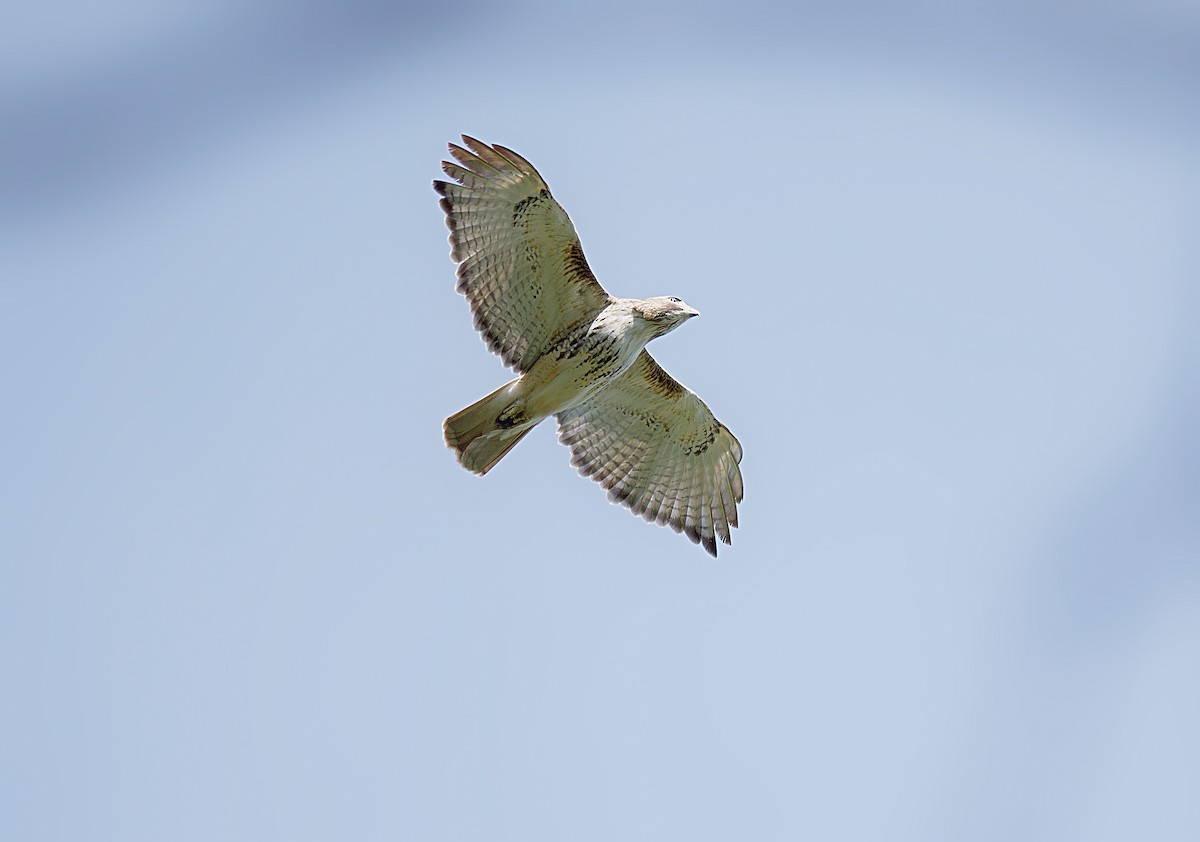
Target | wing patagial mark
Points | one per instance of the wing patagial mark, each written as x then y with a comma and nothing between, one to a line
576,263
663,383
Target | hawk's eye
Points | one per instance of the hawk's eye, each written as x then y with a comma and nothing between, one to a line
676,300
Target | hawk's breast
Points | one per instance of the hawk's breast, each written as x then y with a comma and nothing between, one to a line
585,360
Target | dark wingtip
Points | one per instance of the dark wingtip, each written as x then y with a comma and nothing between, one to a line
619,494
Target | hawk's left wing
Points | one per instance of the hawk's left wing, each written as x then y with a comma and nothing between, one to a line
520,263
658,449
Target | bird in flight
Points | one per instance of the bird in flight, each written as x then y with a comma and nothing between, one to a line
580,355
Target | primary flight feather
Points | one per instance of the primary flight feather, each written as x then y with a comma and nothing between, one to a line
579,353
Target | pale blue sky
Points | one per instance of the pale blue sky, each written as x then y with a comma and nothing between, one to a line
948,271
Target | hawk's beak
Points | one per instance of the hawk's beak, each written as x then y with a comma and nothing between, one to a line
691,312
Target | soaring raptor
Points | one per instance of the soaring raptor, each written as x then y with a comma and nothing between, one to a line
580,354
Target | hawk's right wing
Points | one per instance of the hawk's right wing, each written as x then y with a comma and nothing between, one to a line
520,263
658,449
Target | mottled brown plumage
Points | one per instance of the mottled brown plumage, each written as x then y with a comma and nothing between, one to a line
580,354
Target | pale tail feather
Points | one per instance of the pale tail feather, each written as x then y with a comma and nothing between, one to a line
475,437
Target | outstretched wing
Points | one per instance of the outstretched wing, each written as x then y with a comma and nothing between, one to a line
520,263
658,449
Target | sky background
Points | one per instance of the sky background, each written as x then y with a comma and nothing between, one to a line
948,266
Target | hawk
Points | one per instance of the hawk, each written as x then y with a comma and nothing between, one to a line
580,354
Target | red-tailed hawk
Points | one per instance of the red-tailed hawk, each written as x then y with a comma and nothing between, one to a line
580,354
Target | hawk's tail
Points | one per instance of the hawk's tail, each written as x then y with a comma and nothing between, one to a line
478,436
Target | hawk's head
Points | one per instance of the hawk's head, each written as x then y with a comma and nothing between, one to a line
664,313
